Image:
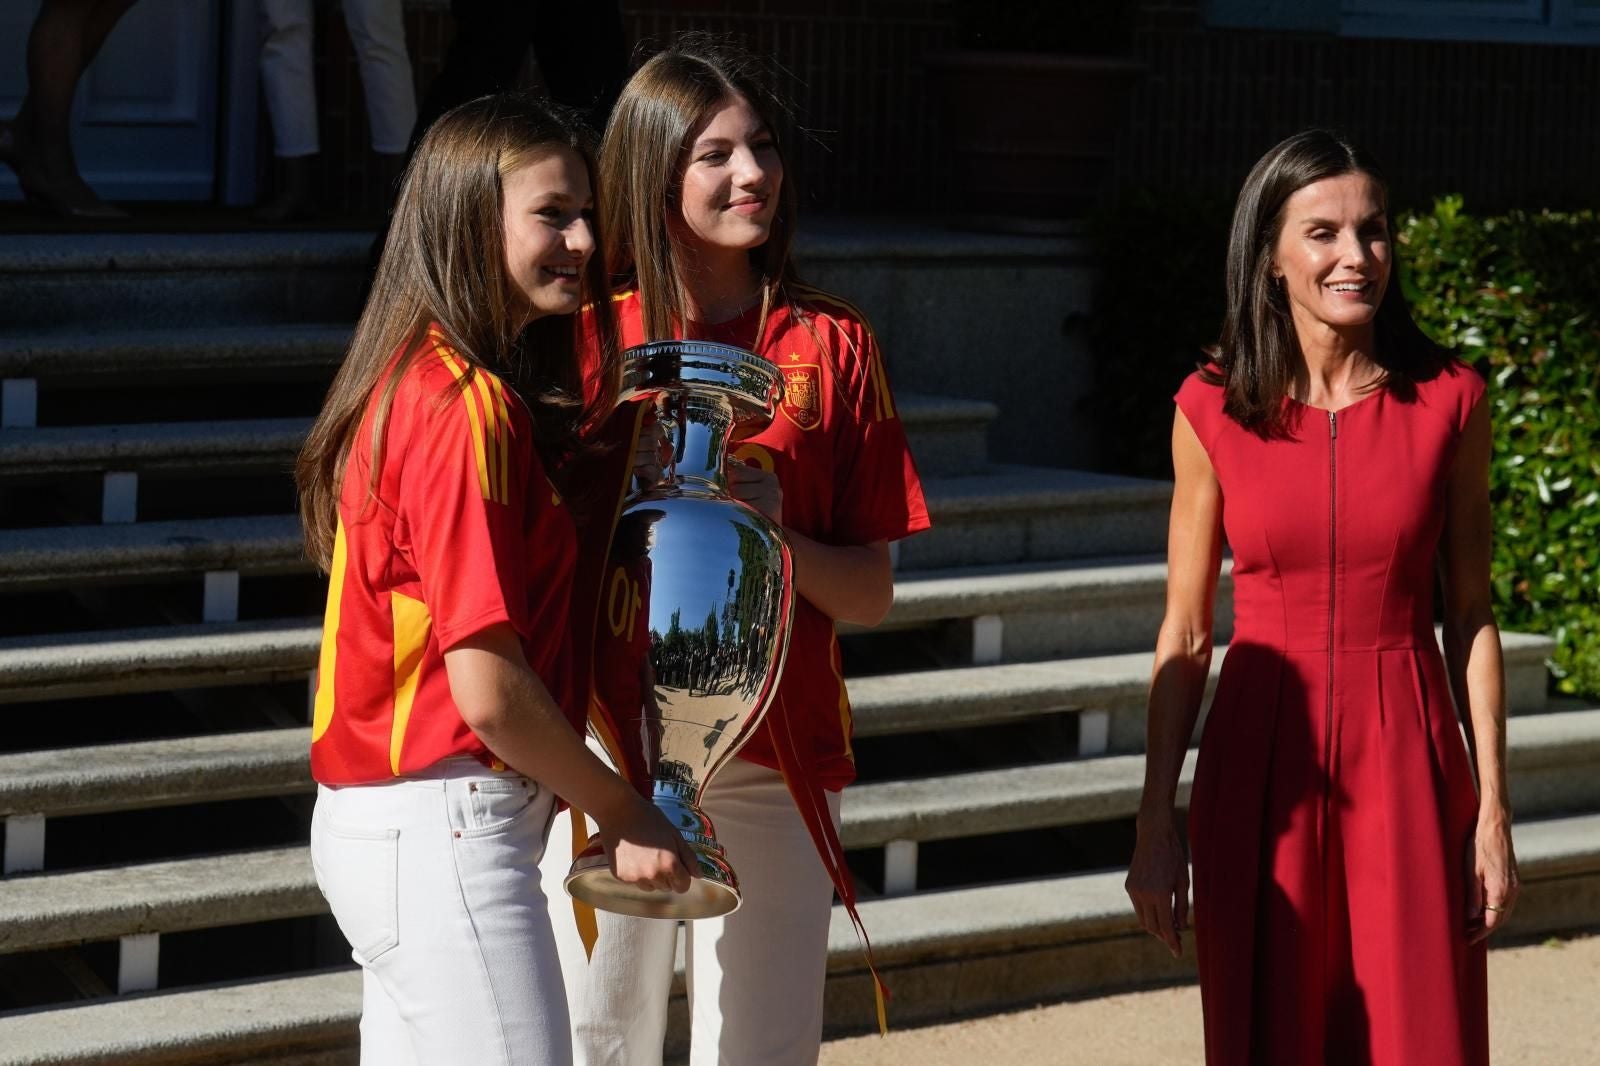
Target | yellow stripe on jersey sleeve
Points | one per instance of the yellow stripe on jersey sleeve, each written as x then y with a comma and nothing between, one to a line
467,397
411,626
880,384
493,437
328,660
505,437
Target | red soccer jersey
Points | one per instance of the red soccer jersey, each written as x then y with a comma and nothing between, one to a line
840,453
466,531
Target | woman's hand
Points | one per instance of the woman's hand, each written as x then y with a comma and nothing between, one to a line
1491,876
758,488
651,454
646,851
1158,883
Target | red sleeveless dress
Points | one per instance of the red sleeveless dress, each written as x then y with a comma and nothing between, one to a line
1333,810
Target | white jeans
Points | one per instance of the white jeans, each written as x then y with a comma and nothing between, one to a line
378,33
755,976
435,884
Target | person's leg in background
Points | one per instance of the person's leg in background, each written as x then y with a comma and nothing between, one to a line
617,998
290,91
756,976
37,142
378,33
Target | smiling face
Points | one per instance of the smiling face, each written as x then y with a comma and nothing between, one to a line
1333,253
730,182
549,234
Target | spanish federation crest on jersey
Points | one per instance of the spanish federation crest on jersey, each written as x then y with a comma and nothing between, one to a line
802,394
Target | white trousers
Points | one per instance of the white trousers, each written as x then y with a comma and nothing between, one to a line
755,977
378,33
435,884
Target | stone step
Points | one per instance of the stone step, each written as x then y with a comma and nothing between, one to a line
1554,758
947,438
256,445
167,657
1026,612
47,557
979,949
70,665
1014,515
155,357
1019,612
51,910
1112,685
109,281
156,773
943,954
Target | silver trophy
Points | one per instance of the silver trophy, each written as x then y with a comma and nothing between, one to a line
694,616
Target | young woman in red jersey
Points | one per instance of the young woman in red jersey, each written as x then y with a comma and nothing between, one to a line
440,734
696,197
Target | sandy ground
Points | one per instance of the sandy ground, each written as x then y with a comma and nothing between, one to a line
1544,1007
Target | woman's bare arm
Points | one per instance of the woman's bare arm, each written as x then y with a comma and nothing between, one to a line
1477,671
1158,877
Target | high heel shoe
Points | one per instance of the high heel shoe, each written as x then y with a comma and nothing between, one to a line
81,204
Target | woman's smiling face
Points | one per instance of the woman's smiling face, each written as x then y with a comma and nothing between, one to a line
729,192
549,234
1333,256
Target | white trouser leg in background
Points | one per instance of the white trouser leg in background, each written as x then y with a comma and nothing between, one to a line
755,977
378,32
286,77
618,1000
435,884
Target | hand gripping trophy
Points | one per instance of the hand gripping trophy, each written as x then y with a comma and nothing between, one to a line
694,615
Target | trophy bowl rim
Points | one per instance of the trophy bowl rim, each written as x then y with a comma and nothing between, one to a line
640,356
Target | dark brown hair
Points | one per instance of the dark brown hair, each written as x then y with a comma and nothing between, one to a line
1258,353
641,172
445,262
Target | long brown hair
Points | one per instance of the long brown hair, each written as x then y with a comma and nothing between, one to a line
1258,352
641,173
444,262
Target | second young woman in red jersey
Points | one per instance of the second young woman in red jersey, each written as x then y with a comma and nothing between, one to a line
702,217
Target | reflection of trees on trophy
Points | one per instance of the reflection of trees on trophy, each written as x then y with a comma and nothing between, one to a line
750,600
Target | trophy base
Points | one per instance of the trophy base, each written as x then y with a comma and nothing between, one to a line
712,893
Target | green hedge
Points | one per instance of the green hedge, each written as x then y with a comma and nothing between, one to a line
1517,296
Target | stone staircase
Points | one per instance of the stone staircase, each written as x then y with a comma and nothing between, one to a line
158,626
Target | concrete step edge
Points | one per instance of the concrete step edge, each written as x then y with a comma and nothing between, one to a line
47,910
936,807
42,556
141,446
977,695
45,556
70,357
907,931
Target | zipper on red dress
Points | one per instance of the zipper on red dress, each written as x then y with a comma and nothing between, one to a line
1333,562
1327,734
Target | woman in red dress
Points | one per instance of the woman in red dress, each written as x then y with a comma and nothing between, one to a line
1346,869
